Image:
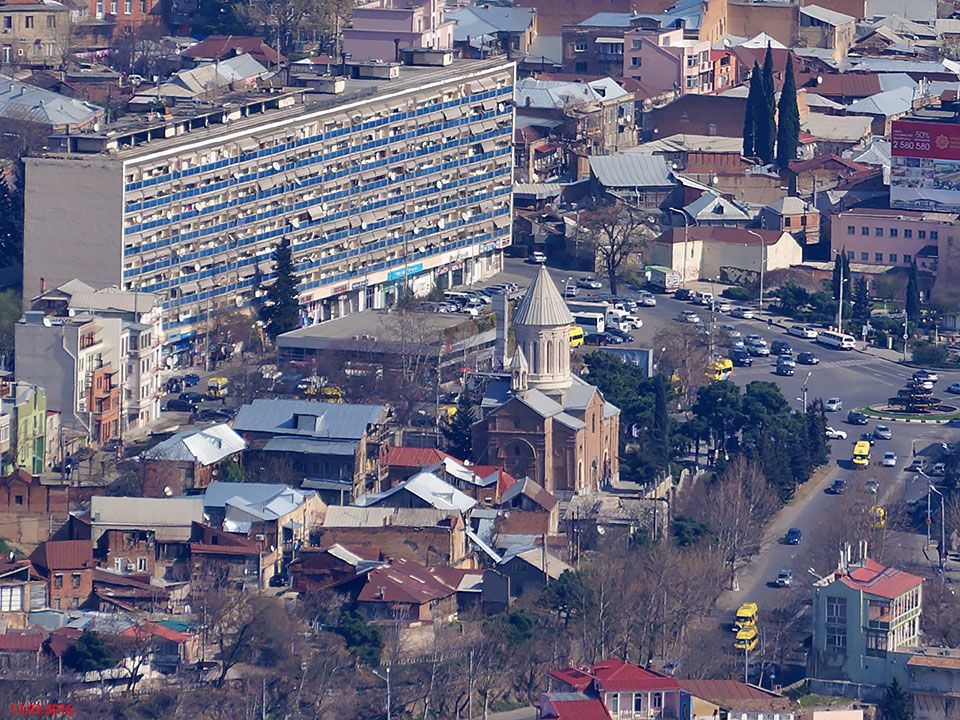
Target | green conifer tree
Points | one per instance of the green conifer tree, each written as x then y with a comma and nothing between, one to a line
282,312
788,119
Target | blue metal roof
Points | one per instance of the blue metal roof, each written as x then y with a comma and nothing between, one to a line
307,418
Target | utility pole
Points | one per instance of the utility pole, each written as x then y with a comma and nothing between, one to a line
906,318
386,678
941,553
804,391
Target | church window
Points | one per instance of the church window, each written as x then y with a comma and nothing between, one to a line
594,422
550,365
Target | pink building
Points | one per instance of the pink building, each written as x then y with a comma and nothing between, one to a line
380,25
881,236
665,61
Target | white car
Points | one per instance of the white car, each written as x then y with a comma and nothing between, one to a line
647,299
939,469
691,317
833,404
926,375
836,434
537,258
732,332
705,298
744,313
889,459
802,331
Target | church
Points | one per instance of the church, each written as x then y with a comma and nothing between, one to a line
547,423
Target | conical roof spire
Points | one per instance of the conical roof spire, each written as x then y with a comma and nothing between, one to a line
542,304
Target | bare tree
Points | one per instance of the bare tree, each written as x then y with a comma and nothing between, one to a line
618,232
684,358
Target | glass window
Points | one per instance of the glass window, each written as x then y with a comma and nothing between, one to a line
876,643
580,46
580,67
28,21
934,235
7,22
635,44
58,581
837,610
837,637
786,221
864,256
128,6
893,257
143,6
864,230
893,232
638,703
878,257
851,230
878,231
141,564
634,61
907,233
11,599
656,700
51,21
907,258
614,704
75,581
849,254
922,234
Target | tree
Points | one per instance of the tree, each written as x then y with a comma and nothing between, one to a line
90,654
282,311
841,273
896,703
719,405
458,430
861,300
618,232
11,226
10,312
753,114
788,119
913,294
231,472
766,114
361,636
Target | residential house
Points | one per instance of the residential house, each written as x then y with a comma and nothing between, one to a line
641,181
821,27
730,254
336,567
538,157
22,589
711,209
168,648
279,518
866,623
623,689
67,566
379,29
220,559
203,82
664,60
791,214
26,406
889,237
710,699
22,104
810,177
132,331
484,30
407,592
885,107
144,536
481,482
33,33
428,536
530,567
21,654
327,442
30,508
123,15
189,461
527,498
595,45
223,47
399,463
423,490
934,682
120,592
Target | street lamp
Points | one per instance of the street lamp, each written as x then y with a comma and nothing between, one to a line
763,262
840,299
686,229
386,679
803,390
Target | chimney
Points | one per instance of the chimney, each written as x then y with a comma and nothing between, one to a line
43,285
396,49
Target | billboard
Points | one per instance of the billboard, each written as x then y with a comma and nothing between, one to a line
925,169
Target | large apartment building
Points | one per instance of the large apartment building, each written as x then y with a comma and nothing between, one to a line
398,175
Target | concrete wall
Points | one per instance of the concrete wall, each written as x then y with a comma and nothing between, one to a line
72,212
782,254
41,358
659,69
779,20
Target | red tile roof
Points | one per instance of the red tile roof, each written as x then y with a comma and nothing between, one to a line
404,581
413,457
63,554
615,675
62,639
220,47
149,628
555,707
876,579
799,166
21,643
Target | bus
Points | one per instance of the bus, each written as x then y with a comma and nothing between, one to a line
590,322
576,336
835,339
217,387
747,615
720,369
747,639
861,454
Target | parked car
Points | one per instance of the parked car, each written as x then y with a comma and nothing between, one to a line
807,358
690,317
757,349
683,294
839,487
779,347
784,578
741,358
794,536
836,434
178,405
833,404
802,331
174,385
882,432
872,486
615,337
744,313
889,459
623,335
786,369
731,330
926,375
210,415
589,283
954,422
920,384
720,307
191,379
705,299
192,397
596,339
954,388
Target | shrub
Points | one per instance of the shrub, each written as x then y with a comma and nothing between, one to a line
930,354
739,294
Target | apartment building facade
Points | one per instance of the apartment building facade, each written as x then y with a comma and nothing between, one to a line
25,406
665,61
882,236
379,28
33,33
402,174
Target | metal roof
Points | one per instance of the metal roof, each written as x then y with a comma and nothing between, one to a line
26,102
887,104
824,15
429,488
716,208
608,19
631,170
373,517
542,305
308,446
207,446
145,513
472,22
307,418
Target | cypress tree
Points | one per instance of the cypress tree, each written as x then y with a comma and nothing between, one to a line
788,119
458,431
282,313
766,114
913,294
755,102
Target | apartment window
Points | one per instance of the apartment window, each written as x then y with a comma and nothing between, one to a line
864,256
635,44
849,254
28,21
907,258
921,234
836,637
614,704
876,643
638,705
113,7
892,232
143,7
836,610
656,700
878,257
51,21
786,221
580,67
851,230
864,230
141,564
56,603
878,231
119,564
18,500
7,22
75,581
908,233
99,8
11,599
128,6
57,582
580,46
893,257
635,61
934,235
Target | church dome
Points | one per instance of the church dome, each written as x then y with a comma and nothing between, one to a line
542,305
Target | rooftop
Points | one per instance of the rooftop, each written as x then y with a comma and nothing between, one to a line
375,517
19,101
278,416
631,170
262,501
541,304
404,581
615,675
734,695
706,233
206,447
63,554
427,487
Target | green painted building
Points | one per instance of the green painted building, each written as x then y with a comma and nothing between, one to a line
26,405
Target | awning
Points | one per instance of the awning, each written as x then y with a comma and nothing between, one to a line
315,212
134,196
488,146
368,217
265,266
247,144
370,174
207,283
268,183
501,222
189,288
610,40
247,271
